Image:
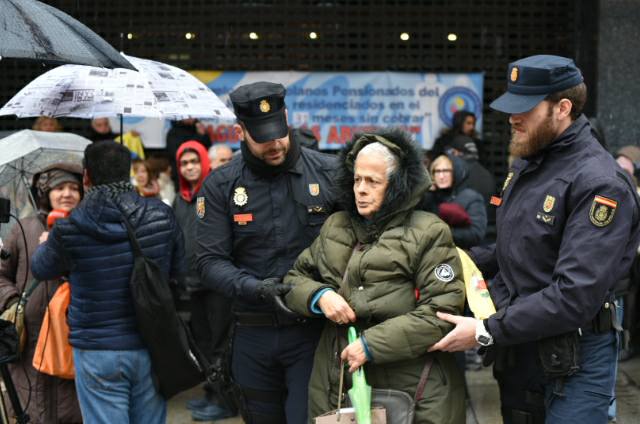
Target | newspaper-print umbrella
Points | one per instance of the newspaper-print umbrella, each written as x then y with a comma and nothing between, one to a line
33,30
157,90
24,154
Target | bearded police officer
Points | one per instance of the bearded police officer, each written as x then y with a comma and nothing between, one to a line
567,231
256,214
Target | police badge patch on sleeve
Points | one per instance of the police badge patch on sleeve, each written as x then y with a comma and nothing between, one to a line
602,211
444,273
200,207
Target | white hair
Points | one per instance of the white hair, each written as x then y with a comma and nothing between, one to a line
379,149
213,150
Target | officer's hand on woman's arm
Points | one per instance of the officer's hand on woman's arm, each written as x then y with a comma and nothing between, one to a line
461,338
269,288
334,307
354,355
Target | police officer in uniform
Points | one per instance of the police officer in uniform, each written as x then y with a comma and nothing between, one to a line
567,230
256,214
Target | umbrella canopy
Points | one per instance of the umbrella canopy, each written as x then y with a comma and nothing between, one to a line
33,30
180,95
28,152
156,91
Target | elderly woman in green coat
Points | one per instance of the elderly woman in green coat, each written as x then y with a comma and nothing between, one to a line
385,268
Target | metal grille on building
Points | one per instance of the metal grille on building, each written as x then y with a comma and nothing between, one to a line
350,35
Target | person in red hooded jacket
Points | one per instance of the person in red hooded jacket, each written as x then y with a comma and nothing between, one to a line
210,312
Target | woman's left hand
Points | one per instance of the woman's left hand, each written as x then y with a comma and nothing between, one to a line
354,355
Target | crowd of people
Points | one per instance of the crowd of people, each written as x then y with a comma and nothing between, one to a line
278,248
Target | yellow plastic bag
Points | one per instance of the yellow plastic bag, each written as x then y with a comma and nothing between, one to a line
477,292
132,142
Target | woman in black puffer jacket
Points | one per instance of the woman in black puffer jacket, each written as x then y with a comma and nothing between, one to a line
462,208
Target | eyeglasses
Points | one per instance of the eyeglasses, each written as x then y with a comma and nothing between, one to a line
189,162
442,171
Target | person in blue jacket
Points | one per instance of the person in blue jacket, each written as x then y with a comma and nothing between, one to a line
567,231
257,213
114,379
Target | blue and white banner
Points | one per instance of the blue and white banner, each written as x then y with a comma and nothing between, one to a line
336,105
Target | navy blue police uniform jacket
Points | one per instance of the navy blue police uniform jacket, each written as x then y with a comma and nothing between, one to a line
567,231
252,227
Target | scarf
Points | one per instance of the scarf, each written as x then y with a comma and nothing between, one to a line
111,190
262,169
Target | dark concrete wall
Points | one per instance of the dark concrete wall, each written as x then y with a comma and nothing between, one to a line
618,99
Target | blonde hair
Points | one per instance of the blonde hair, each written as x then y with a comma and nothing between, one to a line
37,125
440,159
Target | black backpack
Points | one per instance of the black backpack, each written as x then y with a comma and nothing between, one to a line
176,362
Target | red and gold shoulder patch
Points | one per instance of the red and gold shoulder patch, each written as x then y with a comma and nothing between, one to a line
200,207
602,211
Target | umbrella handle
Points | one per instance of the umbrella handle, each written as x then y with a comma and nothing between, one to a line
359,373
352,335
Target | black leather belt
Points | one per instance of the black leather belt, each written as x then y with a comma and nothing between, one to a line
252,319
266,319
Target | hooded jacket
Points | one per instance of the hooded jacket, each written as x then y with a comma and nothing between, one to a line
184,187
401,250
472,202
178,134
184,207
92,247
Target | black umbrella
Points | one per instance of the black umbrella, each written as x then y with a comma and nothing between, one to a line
33,30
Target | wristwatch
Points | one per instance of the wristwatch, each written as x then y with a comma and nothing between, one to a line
482,335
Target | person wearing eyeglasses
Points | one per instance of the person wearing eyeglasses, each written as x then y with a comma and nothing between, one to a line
462,208
210,312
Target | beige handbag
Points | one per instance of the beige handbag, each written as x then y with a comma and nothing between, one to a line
388,406
347,415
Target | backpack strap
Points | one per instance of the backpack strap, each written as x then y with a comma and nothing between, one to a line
137,251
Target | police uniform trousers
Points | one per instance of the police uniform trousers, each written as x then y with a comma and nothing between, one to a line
527,397
211,320
272,365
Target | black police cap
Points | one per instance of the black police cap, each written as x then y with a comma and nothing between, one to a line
260,107
532,79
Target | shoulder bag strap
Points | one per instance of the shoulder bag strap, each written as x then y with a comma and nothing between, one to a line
137,251
340,387
26,294
342,291
344,287
423,379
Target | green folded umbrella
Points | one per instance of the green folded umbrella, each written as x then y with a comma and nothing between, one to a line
360,392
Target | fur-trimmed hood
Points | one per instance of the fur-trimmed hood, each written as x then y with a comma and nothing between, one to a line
406,185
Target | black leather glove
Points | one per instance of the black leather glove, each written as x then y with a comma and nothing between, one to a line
270,288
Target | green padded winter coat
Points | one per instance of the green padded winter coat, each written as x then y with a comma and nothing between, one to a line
405,269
